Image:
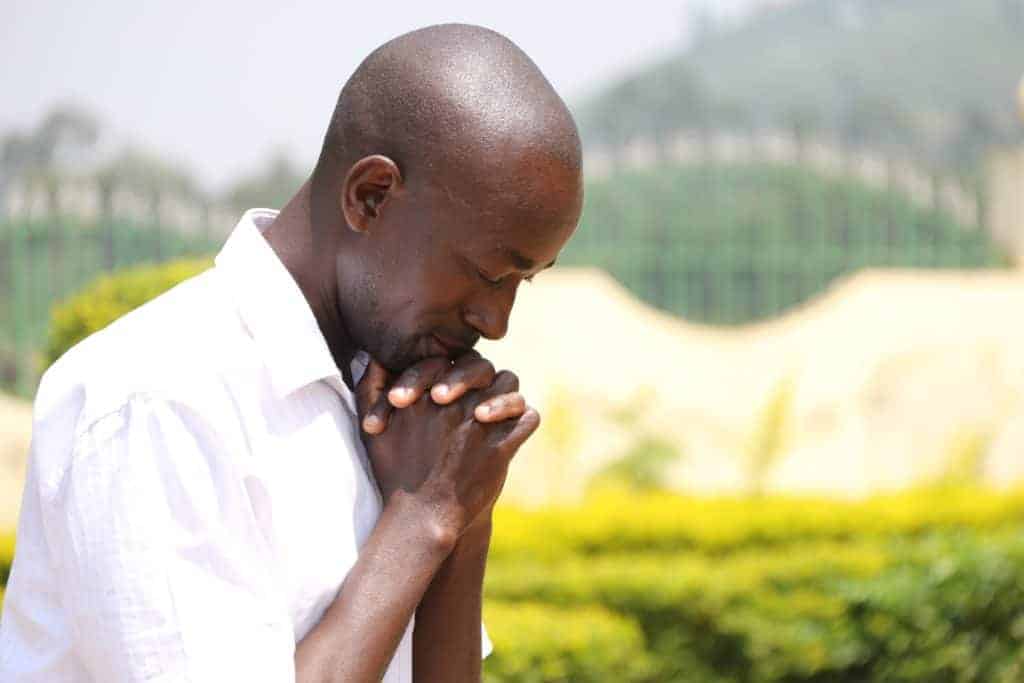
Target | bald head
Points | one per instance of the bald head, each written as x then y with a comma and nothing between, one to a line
449,97
449,175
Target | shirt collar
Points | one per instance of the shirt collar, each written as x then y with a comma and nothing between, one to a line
276,312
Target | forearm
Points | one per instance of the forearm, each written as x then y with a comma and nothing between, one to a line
446,641
358,634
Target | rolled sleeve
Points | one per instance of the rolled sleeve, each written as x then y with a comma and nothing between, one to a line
159,557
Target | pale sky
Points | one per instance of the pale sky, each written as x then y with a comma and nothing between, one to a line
216,86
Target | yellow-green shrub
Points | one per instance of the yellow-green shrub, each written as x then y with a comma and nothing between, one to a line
922,586
111,296
620,522
6,556
948,606
536,643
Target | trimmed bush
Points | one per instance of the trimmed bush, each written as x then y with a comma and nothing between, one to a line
622,522
921,586
535,643
109,297
6,556
6,559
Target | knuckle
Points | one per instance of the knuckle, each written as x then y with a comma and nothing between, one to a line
508,380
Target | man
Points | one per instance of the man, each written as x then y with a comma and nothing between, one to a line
201,503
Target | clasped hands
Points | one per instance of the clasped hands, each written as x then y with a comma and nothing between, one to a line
443,434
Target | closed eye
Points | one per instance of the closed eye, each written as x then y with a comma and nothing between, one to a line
489,280
497,282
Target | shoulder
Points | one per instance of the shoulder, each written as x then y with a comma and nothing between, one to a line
183,349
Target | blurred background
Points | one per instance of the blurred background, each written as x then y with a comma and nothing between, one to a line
783,431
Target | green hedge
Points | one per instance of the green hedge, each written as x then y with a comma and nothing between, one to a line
653,523
536,643
767,590
920,586
945,607
735,243
111,296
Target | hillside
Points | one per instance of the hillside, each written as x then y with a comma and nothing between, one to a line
935,77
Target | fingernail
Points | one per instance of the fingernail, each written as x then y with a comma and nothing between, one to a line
441,388
484,410
371,423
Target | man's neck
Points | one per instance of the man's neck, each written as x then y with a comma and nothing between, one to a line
291,238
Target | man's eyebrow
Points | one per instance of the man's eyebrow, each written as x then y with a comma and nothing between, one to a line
523,262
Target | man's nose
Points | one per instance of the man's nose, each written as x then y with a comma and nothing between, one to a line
489,313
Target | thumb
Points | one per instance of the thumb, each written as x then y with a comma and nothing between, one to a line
371,387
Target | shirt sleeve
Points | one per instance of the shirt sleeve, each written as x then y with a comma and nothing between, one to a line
164,570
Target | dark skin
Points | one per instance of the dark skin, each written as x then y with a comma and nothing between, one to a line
414,272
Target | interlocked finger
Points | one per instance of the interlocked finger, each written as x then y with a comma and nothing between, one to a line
513,433
501,407
370,392
416,380
505,383
470,371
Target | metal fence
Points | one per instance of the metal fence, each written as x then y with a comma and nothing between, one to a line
729,244
721,241
44,259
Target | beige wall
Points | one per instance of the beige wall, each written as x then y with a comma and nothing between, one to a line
889,379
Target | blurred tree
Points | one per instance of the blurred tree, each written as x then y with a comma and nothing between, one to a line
63,139
272,186
975,132
703,22
1012,12
148,177
667,98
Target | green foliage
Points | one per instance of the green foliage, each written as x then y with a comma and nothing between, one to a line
44,261
921,586
642,468
965,456
272,185
6,556
663,523
536,643
771,433
853,77
110,297
730,244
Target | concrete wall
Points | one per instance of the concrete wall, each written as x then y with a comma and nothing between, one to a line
890,378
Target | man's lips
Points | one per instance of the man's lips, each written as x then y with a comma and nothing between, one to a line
451,348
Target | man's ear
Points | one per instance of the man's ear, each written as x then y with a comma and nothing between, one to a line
369,185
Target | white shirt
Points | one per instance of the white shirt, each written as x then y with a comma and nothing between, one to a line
196,491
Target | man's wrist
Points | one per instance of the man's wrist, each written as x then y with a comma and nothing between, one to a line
431,525
479,530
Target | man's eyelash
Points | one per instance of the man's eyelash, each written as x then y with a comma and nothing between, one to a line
485,278
495,283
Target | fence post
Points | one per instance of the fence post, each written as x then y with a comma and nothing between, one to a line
18,308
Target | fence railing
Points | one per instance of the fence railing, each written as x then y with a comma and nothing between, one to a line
45,259
723,237
730,243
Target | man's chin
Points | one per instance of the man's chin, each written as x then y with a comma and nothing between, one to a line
424,347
